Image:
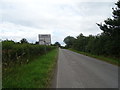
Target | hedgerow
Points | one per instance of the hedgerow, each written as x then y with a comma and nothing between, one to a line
17,53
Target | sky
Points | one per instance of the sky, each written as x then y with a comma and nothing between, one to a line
60,18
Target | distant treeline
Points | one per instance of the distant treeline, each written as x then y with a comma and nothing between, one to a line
21,52
107,43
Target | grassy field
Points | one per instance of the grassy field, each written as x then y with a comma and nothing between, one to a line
103,58
36,74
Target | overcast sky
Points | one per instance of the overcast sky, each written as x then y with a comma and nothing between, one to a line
60,18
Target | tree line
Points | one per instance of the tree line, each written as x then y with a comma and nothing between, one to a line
107,43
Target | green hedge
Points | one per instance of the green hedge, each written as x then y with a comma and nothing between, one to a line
13,53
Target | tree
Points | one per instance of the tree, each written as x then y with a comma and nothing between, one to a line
23,40
57,44
90,44
80,42
112,26
69,41
111,29
36,42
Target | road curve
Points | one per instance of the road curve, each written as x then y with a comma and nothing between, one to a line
78,71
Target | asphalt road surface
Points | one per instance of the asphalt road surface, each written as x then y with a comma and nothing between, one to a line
78,71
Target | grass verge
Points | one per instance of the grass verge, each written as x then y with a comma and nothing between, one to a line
103,58
36,74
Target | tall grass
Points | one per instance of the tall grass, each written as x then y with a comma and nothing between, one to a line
36,74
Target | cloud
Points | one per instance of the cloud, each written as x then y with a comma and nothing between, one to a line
28,18
17,32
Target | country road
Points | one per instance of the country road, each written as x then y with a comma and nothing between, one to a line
78,71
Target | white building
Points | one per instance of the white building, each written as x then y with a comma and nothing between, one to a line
44,39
